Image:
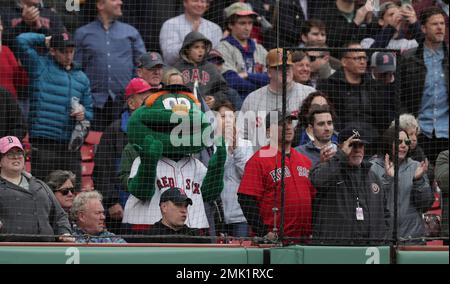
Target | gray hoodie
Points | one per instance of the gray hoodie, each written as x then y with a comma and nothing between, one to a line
210,81
414,197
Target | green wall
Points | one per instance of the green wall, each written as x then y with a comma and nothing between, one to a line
212,255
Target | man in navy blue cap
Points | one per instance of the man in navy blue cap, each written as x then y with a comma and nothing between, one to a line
174,210
349,206
60,100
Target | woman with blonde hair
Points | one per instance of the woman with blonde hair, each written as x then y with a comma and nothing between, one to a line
172,76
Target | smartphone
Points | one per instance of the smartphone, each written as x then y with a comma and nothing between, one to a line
376,5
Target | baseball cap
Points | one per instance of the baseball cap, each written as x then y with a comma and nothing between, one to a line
175,195
240,9
275,58
149,60
9,142
60,41
214,56
136,86
350,131
276,116
383,62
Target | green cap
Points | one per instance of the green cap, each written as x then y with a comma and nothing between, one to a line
239,8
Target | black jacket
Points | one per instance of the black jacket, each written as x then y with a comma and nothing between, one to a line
184,235
107,163
291,19
413,74
355,103
339,30
334,211
11,123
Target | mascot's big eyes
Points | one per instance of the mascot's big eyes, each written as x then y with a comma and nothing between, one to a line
169,103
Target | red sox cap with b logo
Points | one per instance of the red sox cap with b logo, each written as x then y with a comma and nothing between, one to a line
383,62
60,41
149,60
9,142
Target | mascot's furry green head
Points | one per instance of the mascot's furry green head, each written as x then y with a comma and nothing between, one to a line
171,125
173,117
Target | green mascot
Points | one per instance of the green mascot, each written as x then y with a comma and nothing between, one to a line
164,134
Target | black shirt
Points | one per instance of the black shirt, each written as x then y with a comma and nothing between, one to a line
169,235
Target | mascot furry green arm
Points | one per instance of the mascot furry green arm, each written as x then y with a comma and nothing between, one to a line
165,133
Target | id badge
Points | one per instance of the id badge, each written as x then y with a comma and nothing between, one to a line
359,214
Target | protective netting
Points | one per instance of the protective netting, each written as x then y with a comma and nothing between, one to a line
314,122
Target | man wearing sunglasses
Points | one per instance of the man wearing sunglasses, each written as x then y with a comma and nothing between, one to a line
349,205
27,206
322,64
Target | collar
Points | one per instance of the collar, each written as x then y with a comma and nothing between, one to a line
251,46
100,23
433,52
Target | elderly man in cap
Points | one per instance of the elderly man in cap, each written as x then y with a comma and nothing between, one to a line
174,205
260,185
57,82
349,205
267,98
150,67
244,67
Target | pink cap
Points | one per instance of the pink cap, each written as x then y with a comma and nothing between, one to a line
9,142
136,86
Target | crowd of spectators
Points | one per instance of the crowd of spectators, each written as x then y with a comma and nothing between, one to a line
64,73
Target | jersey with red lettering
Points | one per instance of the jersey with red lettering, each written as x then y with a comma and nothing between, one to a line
187,174
262,178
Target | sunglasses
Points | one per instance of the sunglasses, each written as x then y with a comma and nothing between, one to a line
407,141
313,58
65,191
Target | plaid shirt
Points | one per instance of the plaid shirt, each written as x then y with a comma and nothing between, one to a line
104,237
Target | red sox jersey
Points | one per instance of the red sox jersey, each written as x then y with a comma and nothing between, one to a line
187,174
262,178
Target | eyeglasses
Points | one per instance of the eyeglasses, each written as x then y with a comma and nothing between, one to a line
65,191
357,58
14,155
313,58
407,141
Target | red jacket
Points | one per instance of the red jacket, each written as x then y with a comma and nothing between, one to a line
12,76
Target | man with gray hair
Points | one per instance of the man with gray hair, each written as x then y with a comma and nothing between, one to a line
89,215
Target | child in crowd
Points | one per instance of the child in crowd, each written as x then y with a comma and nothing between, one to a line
197,71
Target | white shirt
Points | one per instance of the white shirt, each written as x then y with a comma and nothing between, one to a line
187,174
175,29
304,5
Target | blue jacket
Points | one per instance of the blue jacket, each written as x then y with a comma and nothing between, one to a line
52,88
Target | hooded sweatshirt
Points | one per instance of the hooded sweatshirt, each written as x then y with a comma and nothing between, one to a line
209,79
